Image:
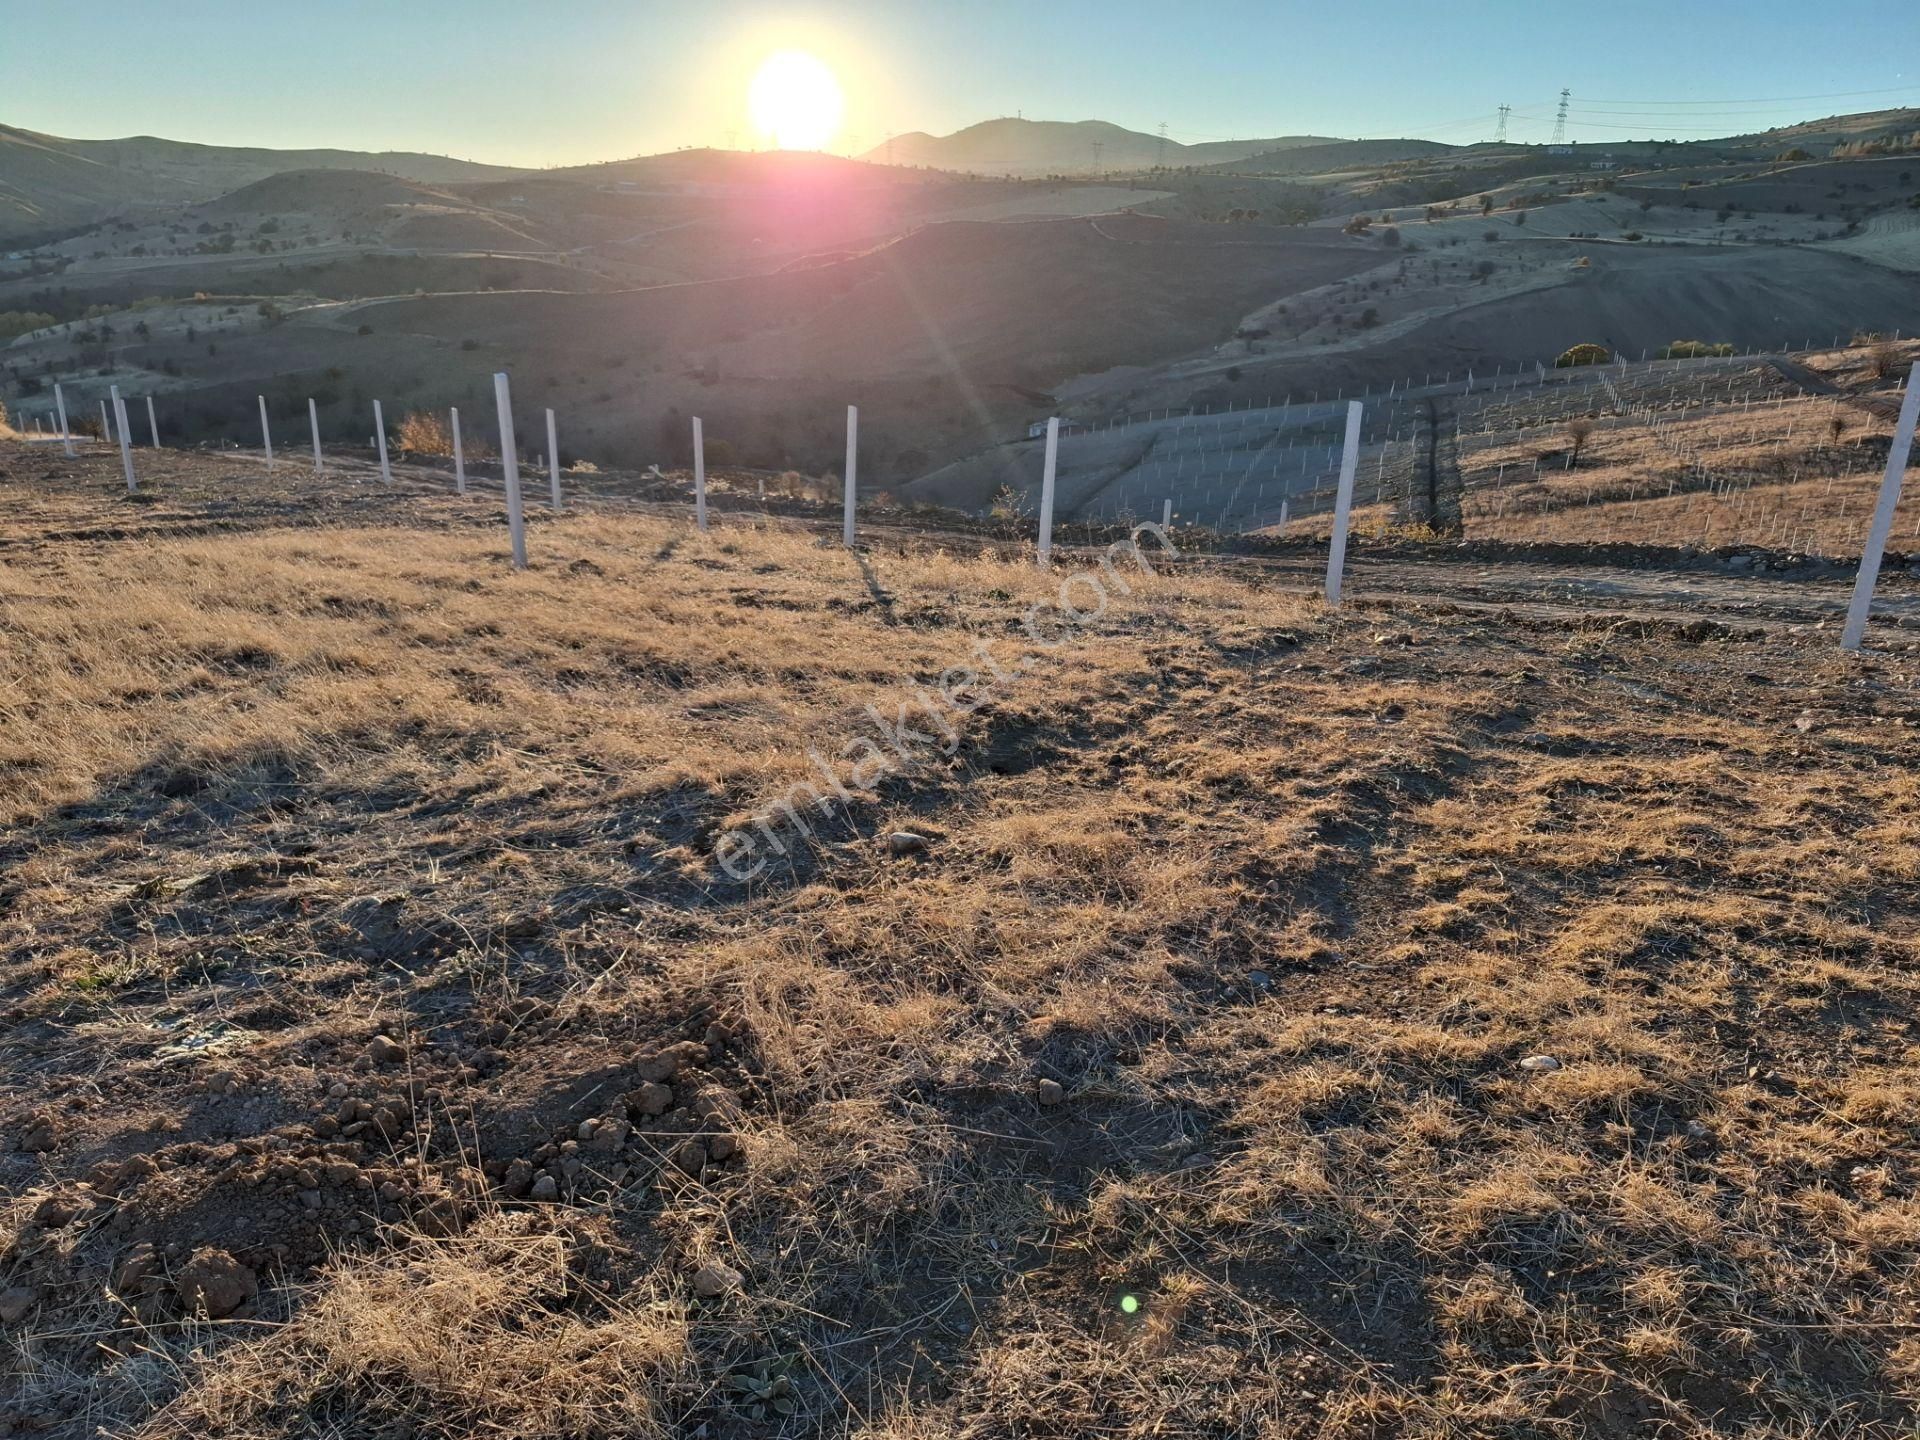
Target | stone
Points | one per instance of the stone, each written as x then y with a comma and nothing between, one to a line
714,1279
668,1063
1540,1063
545,1189
214,1284
721,1147
385,1050
16,1302
905,842
650,1100
518,1180
1050,1092
690,1156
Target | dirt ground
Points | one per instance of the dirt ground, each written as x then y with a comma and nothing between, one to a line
1485,1010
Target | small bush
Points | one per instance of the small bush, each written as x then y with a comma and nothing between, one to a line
1584,354
1694,350
423,432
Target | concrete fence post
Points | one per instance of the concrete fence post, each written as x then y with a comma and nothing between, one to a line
106,424
1046,491
153,424
380,441
850,486
510,463
313,424
1856,631
1343,506
266,434
459,456
126,448
699,474
1166,514
66,433
553,461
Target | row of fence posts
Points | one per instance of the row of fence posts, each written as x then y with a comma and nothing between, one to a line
1852,636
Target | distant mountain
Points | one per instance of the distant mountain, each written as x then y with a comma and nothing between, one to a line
1058,147
49,184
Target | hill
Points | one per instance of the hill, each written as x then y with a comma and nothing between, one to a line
50,184
1333,155
1420,1019
1057,147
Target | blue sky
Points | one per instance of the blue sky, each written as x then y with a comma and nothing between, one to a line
570,81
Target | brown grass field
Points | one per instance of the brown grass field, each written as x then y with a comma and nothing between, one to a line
387,1053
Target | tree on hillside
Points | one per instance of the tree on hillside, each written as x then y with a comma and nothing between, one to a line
1579,431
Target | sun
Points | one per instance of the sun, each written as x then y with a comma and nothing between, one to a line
795,100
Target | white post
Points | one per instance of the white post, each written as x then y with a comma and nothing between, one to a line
66,435
106,424
313,423
553,461
850,488
153,424
1166,514
510,463
1343,505
126,450
1283,518
1856,631
699,474
459,456
266,433
380,439
1046,491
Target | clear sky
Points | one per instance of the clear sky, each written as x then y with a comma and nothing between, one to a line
570,81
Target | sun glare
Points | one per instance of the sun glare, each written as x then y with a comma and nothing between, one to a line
795,101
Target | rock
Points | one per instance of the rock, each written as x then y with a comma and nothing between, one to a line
1050,1092
1259,980
38,1135
1540,1063
690,1156
15,1303
717,1103
721,1147
668,1063
1806,722
610,1134
518,1179
385,1050
588,1129
650,1100
133,1272
714,1279
905,842
545,1189
214,1284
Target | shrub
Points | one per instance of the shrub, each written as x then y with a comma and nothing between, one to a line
1579,431
423,432
1584,354
1694,350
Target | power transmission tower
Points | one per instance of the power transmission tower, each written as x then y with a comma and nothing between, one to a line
1560,121
1500,134
1098,146
1161,158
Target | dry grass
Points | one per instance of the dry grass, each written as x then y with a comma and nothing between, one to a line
1279,899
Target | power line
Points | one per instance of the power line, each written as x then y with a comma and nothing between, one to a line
1767,99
